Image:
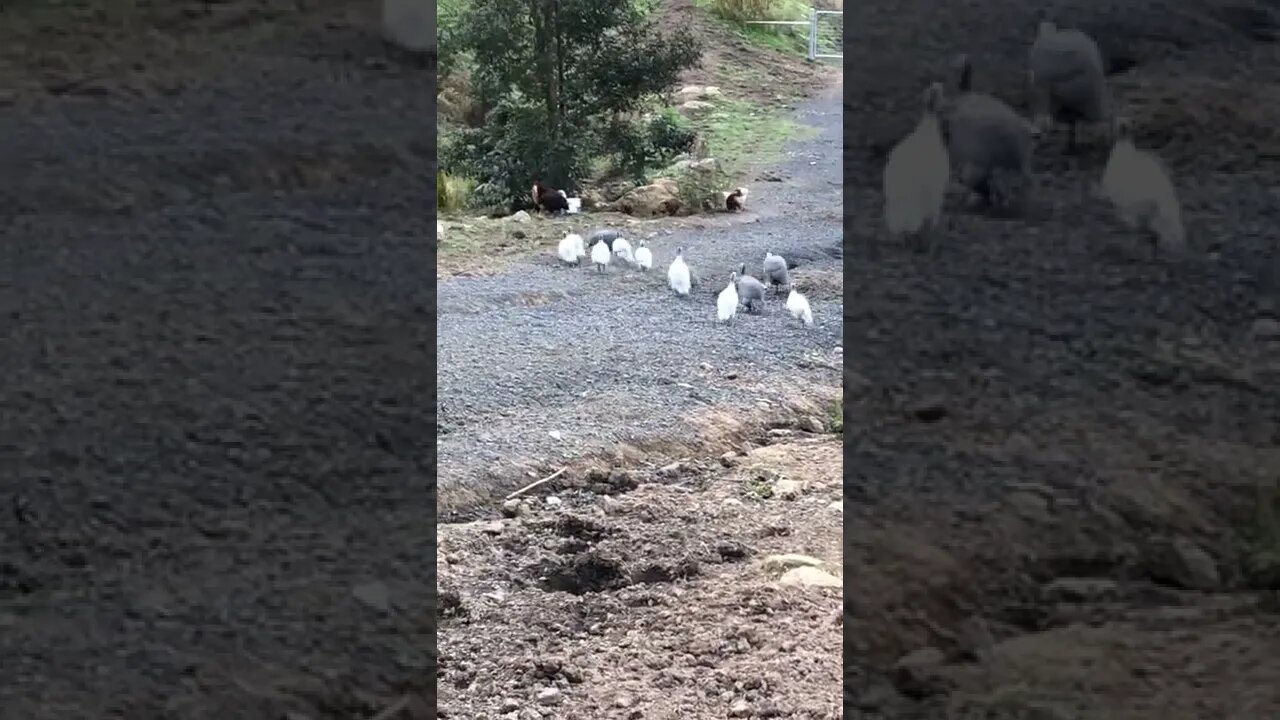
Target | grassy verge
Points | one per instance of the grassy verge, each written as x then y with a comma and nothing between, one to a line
741,133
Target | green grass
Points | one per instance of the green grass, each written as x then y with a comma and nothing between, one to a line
740,133
453,192
835,416
735,13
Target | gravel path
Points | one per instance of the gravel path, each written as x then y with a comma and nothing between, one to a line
602,359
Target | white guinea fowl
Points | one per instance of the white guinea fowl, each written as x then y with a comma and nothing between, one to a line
917,174
572,249
644,257
798,306
1138,186
727,300
678,274
600,256
622,248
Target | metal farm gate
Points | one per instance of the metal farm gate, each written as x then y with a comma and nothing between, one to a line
824,30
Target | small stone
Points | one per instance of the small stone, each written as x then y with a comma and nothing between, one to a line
836,505
781,433
787,561
509,705
1076,590
812,425
1188,565
1029,505
788,489
729,459
916,674
1265,329
550,696
671,470
553,501
810,577
512,508
706,367
374,595
740,709
521,217
555,435
493,527
623,701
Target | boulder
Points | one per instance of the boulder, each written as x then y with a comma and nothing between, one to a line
653,200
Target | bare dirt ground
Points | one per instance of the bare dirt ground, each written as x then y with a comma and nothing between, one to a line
217,298
1062,456
654,592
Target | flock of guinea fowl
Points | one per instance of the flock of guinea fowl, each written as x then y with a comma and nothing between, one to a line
988,146
743,289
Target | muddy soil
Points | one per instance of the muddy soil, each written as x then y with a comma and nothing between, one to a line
217,301
1062,455
663,598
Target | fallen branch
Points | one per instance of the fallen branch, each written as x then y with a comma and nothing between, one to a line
392,710
536,483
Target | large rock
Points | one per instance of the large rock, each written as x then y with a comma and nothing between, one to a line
654,200
410,24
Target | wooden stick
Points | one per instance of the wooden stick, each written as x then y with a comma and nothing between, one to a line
536,483
392,710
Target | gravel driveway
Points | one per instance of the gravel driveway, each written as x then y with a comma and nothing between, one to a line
600,359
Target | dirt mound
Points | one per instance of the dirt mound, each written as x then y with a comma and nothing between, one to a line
663,601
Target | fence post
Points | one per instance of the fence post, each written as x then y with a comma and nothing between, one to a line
813,34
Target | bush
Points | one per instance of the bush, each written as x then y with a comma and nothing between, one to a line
453,192
670,134
510,152
742,10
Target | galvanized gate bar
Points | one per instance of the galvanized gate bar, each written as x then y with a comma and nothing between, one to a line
812,22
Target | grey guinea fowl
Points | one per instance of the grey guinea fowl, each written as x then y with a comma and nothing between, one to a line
775,271
605,235
750,292
1067,80
989,143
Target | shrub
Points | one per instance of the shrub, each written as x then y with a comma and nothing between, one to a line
741,10
453,192
670,134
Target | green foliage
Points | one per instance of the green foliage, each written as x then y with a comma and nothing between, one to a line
671,133
742,10
453,192
637,146
559,76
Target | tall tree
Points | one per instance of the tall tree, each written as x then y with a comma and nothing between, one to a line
576,63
